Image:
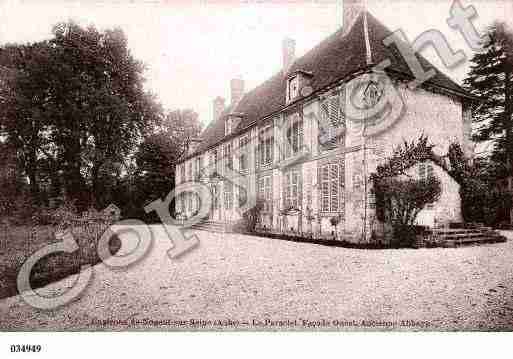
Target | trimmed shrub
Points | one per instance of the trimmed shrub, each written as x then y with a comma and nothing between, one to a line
398,202
252,216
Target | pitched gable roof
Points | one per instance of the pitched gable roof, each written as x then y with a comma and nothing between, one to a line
335,58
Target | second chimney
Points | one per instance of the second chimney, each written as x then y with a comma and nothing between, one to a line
288,53
351,9
237,90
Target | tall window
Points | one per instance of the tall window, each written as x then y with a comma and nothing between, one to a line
182,203
330,187
214,161
215,196
182,173
198,166
265,192
228,158
265,146
190,201
294,136
228,195
291,189
243,153
189,171
332,124
425,170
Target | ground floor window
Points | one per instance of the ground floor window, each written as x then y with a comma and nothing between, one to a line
330,185
291,189
228,195
265,192
243,155
426,171
215,196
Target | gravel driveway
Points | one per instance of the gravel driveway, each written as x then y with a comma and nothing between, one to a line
251,283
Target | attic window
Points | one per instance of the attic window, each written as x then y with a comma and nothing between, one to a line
232,122
228,126
293,87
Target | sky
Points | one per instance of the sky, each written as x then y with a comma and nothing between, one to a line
192,49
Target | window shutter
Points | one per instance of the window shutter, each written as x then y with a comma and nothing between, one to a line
323,128
325,189
300,135
284,190
294,189
334,187
334,111
267,193
272,148
300,188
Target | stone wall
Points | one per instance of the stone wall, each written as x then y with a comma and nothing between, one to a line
442,118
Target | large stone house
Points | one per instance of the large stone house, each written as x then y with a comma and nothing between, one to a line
293,143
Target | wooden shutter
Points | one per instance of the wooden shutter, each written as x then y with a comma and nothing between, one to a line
300,188
325,189
268,193
300,135
334,111
334,188
286,190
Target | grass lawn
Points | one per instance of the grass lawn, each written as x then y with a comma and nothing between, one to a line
18,243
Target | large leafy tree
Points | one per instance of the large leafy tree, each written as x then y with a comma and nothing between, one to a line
100,109
79,100
491,78
157,155
25,94
11,184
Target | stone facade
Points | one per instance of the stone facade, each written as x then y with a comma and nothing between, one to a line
311,136
354,158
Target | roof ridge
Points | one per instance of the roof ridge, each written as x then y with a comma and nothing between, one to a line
337,56
368,50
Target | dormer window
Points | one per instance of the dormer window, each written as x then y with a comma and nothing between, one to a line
231,123
293,88
228,126
298,85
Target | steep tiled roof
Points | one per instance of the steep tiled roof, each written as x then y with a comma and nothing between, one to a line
333,59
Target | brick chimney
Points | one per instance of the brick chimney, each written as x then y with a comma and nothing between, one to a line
218,107
350,11
237,90
288,53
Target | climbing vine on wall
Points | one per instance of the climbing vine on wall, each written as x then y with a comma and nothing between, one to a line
398,201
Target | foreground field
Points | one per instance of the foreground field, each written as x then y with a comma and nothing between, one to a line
18,243
240,282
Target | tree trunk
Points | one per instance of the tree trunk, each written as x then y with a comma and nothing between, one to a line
96,186
508,121
31,169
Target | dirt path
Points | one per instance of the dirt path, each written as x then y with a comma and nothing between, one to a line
240,282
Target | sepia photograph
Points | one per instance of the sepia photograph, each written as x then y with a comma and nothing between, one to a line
255,166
